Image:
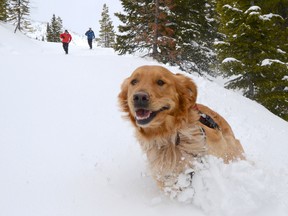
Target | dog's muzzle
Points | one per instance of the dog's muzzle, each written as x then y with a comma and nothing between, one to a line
141,100
143,115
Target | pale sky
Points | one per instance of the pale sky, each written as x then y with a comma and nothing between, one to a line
77,16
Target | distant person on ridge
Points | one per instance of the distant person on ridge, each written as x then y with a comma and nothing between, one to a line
90,36
66,39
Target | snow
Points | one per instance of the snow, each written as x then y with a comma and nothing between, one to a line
253,9
268,62
230,59
281,51
227,6
270,16
256,10
65,149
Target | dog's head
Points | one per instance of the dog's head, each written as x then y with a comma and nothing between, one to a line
153,96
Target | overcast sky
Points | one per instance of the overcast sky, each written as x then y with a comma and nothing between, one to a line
77,16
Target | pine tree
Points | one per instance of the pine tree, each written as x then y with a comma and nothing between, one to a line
273,87
54,29
136,31
178,32
197,27
19,11
57,27
251,39
48,33
164,32
147,26
106,33
3,10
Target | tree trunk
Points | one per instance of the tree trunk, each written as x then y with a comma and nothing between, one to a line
156,22
18,26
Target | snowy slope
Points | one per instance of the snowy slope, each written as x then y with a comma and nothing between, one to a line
66,151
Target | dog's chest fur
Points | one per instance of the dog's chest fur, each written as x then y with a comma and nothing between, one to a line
168,156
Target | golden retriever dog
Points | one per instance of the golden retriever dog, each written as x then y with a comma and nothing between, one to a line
172,129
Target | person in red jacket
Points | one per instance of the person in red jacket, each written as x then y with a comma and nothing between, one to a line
66,39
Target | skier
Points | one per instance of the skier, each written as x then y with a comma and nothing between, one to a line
66,39
90,36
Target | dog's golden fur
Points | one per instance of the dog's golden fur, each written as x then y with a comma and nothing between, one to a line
171,134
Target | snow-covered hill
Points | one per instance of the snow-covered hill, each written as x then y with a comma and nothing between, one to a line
66,151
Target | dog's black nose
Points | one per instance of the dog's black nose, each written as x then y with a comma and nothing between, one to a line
141,99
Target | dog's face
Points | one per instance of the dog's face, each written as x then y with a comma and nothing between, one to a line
152,95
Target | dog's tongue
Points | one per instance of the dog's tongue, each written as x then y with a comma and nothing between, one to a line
142,114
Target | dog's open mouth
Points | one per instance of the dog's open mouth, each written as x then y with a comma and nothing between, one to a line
144,116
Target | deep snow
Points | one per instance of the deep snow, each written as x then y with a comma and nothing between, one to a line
66,151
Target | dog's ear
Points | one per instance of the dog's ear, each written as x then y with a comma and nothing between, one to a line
123,96
187,90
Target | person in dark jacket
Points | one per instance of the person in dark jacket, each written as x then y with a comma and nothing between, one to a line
90,36
66,39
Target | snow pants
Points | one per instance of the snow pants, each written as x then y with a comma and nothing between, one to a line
90,42
65,47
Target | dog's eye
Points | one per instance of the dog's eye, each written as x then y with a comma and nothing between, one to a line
134,81
160,82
